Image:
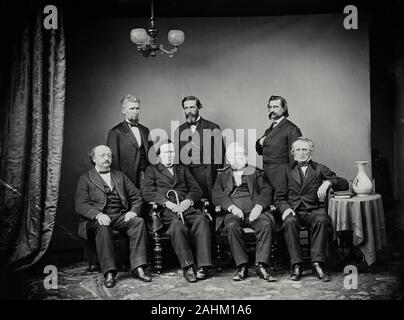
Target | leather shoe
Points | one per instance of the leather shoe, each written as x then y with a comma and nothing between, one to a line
202,273
93,267
296,272
242,273
139,273
109,279
189,274
263,273
319,272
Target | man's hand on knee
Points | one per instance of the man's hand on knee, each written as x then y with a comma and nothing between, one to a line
103,219
172,206
237,212
130,215
185,204
287,212
255,212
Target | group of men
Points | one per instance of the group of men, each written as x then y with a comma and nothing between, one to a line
111,196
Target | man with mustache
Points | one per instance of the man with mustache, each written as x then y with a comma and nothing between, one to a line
201,145
275,144
130,141
190,237
245,196
302,185
107,200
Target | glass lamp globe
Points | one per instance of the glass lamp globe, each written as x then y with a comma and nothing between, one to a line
176,37
138,36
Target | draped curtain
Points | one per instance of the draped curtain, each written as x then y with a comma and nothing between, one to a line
31,141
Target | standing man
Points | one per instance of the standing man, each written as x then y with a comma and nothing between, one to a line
302,185
130,141
201,146
275,144
245,197
107,200
176,191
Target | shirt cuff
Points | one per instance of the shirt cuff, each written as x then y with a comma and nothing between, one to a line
96,217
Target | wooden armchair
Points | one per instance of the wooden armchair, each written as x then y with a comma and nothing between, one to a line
159,237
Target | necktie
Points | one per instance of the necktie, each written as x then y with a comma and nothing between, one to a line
302,164
131,124
272,126
104,172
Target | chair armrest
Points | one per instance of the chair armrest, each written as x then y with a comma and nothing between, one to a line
153,210
205,206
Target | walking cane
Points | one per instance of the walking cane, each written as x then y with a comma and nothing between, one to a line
178,203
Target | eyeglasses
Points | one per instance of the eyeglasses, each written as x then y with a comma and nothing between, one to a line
104,154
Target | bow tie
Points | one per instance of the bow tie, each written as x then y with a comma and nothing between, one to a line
104,172
131,124
302,164
194,123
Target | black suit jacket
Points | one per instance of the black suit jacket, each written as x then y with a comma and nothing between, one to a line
125,149
91,198
260,190
217,150
278,143
158,180
292,191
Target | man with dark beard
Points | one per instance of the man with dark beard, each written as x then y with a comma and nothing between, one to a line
275,144
130,141
201,146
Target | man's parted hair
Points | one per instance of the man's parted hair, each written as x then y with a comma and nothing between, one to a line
188,98
128,99
284,104
304,139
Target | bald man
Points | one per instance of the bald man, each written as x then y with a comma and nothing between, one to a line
107,200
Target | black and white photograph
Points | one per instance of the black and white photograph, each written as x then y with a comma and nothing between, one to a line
202,157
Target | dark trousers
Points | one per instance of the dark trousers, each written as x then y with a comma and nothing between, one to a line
134,228
273,172
320,228
203,177
263,227
190,241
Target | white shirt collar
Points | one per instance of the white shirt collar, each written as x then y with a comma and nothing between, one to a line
276,122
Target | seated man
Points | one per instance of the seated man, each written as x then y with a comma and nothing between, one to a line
174,188
107,200
303,185
243,192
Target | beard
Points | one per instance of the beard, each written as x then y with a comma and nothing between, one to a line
134,119
191,118
238,165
